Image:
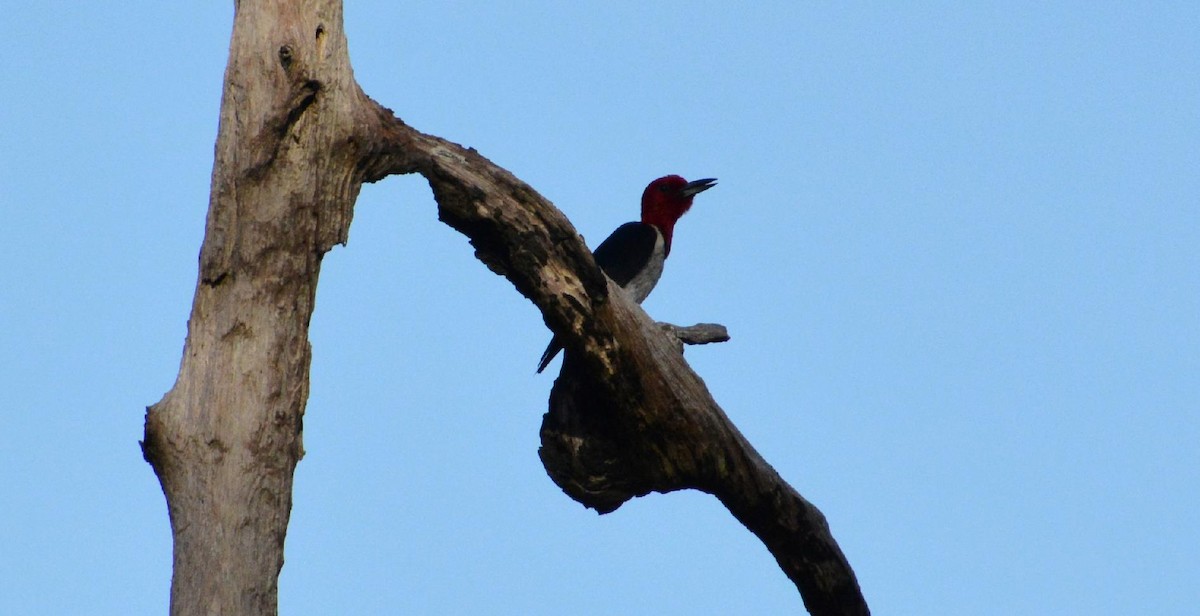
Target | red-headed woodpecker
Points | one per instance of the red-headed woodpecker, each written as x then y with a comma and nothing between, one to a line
633,255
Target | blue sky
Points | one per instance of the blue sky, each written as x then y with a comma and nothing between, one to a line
957,247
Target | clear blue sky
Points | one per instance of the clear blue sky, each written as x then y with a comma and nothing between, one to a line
957,247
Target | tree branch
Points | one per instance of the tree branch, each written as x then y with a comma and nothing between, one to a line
627,414
297,138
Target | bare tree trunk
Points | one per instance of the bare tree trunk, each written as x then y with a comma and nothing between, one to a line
225,440
297,139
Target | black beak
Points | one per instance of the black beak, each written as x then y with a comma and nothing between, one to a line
698,186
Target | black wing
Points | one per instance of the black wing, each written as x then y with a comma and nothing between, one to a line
623,254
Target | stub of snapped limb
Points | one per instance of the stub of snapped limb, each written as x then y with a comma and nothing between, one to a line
700,333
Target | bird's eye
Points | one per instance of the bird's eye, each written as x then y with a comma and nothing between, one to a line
663,188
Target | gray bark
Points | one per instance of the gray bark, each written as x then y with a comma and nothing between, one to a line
225,440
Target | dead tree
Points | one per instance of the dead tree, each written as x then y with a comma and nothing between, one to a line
297,140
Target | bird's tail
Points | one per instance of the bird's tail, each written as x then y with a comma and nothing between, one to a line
551,350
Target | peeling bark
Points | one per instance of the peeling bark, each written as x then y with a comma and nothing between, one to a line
297,139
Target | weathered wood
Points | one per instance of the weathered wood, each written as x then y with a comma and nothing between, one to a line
700,333
297,138
627,415
225,440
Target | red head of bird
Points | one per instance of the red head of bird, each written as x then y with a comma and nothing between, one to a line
666,199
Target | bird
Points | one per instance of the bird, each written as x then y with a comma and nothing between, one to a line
634,254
